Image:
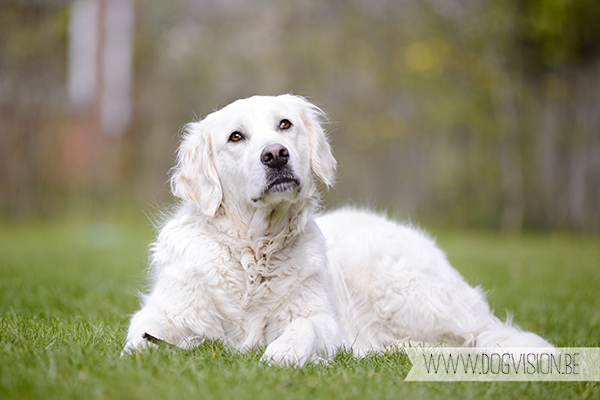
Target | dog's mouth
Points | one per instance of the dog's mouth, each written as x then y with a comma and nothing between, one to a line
282,184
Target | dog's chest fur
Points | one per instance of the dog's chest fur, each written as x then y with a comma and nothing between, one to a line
244,283
256,281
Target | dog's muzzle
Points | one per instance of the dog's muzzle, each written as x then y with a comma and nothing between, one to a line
280,177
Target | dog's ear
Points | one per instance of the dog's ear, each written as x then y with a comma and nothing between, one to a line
323,163
195,177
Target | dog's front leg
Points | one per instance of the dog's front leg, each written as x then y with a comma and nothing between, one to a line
304,340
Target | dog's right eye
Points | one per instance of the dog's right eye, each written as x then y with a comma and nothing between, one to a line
236,137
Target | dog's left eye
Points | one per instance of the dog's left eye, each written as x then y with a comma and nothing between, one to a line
285,124
236,137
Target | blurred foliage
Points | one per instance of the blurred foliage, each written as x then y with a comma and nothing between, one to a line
463,112
558,32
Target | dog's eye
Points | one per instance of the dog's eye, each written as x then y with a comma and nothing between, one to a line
236,137
285,124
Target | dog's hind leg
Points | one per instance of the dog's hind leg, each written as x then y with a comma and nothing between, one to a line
505,335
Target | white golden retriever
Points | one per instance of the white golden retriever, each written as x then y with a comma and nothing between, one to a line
243,260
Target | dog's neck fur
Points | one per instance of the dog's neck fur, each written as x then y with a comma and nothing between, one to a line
275,224
257,234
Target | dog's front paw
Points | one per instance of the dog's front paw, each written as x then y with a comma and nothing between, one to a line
137,342
284,354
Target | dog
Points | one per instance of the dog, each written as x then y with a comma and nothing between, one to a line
244,259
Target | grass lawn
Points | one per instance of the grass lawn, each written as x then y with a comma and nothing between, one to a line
66,290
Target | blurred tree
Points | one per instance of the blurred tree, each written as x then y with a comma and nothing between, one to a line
463,112
33,39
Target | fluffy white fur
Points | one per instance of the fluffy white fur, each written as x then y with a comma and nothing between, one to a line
243,260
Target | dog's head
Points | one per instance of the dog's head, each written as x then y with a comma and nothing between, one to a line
254,152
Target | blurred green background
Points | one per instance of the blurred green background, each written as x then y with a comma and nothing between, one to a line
462,113
464,116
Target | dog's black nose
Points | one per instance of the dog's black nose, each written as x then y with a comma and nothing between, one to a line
275,156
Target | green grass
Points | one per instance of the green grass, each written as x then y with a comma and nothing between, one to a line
66,291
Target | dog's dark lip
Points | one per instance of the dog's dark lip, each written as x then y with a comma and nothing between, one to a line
282,181
279,185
